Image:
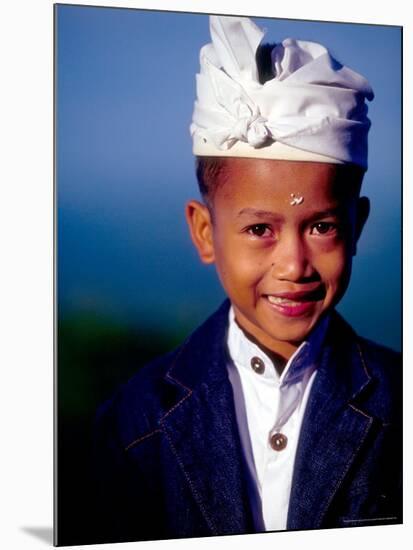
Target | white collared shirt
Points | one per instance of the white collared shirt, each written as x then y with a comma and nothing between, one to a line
265,404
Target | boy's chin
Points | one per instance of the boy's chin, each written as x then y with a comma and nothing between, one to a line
292,326
278,335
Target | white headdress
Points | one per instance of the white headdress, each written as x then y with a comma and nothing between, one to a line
312,109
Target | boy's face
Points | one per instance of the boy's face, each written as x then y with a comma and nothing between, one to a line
282,262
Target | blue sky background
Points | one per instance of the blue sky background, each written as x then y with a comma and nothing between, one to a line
125,90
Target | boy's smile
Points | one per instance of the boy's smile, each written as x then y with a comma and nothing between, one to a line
282,263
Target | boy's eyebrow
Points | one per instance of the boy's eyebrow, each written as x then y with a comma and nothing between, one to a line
258,213
333,211
336,211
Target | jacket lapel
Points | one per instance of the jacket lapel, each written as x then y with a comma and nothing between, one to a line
333,430
202,430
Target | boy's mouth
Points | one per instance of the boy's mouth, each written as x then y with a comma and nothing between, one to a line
281,301
310,295
295,304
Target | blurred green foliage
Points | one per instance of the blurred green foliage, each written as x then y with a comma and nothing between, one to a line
95,355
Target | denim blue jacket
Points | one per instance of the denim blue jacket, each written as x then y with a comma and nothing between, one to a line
168,457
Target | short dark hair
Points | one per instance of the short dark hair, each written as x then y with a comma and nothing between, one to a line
210,172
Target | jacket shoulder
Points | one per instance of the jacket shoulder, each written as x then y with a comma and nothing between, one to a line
367,364
383,362
375,357
137,407
378,353
133,411
384,365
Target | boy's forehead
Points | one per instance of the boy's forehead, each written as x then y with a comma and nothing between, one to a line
254,177
278,167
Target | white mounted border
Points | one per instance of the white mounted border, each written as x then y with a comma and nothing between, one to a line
26,294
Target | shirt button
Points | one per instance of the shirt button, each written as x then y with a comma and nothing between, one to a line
278,441
258,365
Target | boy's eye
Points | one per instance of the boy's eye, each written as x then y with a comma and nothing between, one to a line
260,230
323,228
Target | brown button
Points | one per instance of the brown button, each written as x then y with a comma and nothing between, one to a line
258,365
278,441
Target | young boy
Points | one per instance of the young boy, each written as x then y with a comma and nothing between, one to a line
273,414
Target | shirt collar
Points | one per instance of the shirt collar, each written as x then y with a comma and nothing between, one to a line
301,363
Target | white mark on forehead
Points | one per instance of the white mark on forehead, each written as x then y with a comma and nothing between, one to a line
296,199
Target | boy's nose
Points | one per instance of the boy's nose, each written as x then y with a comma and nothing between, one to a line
290,260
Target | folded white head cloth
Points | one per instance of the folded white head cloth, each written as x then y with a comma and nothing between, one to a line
312,109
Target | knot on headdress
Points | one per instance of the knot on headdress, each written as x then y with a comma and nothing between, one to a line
242,120
249,127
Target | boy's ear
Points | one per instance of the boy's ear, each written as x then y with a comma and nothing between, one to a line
199,222
363,211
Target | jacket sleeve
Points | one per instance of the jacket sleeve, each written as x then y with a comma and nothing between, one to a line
120,487
108,476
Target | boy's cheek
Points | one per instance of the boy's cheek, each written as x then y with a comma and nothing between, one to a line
331,257
329,245
336,281
241,277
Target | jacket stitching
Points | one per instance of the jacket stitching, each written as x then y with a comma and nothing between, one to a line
362,360
158,430
360,411
176,406
177,381
210,523
333,493
136,441
168,373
